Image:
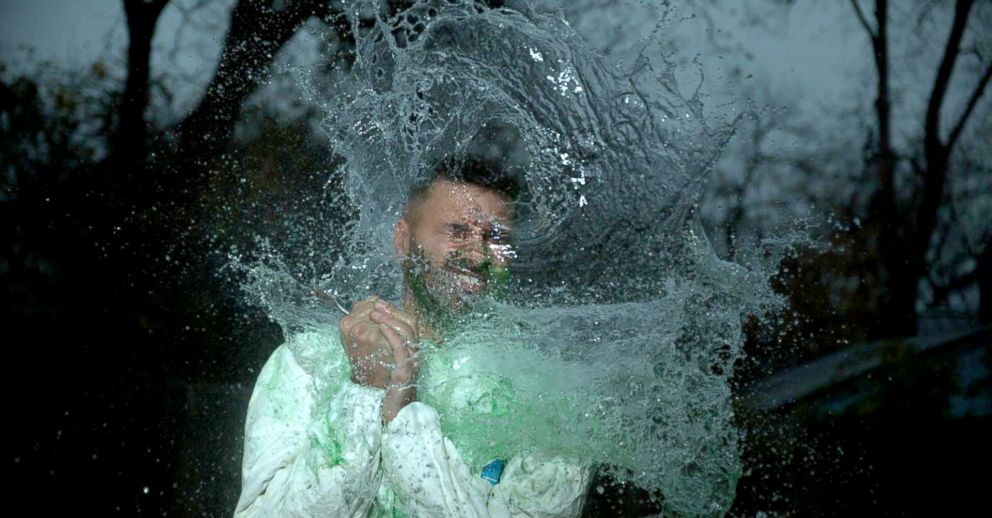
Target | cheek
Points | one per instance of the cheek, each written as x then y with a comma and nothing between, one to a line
436,250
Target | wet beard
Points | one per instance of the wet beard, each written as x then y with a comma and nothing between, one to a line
442,290
442,295
447,294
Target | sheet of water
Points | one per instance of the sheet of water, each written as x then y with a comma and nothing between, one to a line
620,329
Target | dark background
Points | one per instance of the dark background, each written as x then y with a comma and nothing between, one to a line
131,359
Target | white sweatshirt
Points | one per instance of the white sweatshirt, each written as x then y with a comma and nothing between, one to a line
306,454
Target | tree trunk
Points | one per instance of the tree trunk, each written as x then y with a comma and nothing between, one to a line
922,218
904,226
128,145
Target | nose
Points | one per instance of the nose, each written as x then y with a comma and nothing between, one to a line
480,248
475,252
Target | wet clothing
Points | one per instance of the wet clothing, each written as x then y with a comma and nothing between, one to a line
315,446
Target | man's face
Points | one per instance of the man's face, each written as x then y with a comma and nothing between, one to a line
456,243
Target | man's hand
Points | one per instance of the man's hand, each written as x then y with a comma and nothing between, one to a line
368,350
401,332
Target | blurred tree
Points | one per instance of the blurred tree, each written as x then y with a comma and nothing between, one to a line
905,230
899,231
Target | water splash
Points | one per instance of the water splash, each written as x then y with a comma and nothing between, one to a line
621,327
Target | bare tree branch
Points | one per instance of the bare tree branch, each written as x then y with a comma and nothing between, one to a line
943,78
924,14
937,153
863,20
885,199
972,101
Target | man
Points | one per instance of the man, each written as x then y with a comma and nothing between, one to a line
372,449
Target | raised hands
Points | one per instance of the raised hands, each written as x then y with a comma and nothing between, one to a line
369,352
401,331
382,342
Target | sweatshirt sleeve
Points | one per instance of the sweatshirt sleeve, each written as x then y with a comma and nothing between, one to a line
302,459
431,479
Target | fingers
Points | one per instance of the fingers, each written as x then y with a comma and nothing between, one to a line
395,312
363,308
400,326
401,353
406,359
354,326
357,330
373,320
365,330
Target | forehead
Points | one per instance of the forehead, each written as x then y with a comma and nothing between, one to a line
448,201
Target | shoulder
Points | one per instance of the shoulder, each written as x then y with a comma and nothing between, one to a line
302,357
296,346
304,347
318,352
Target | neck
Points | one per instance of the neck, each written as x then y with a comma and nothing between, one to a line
425,329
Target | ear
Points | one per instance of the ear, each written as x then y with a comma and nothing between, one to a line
401,237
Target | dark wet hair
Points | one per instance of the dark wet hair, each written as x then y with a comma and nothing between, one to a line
481,172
